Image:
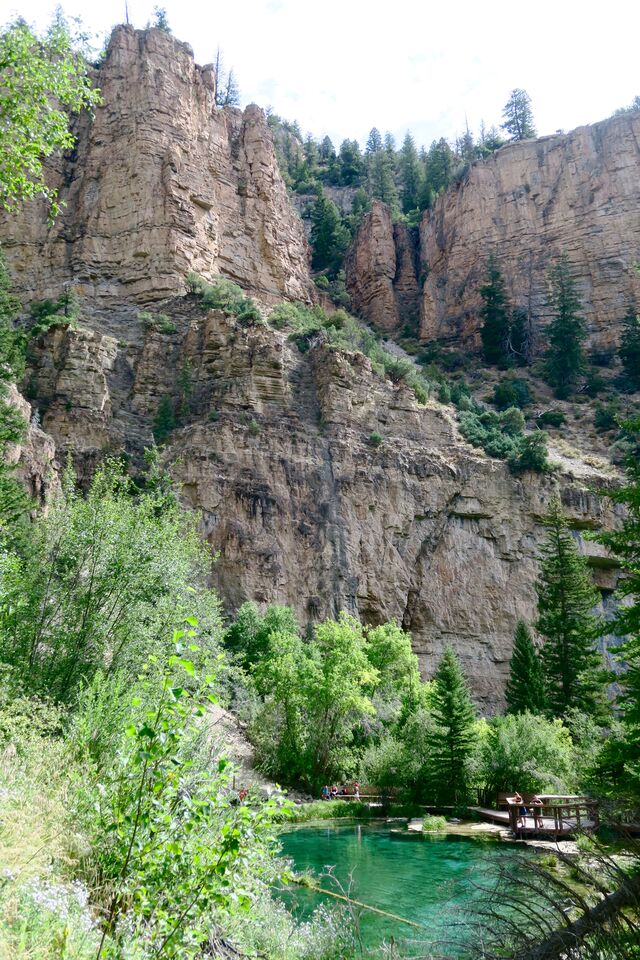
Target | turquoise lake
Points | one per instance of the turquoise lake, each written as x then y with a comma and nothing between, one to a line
431,880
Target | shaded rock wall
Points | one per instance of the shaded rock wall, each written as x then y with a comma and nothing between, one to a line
161,182
577,194
381,273
274,453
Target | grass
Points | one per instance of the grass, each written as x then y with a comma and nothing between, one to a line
43,913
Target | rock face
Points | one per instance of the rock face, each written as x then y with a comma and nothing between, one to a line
381,271
577,194
273,450
162,182
34,458
528,203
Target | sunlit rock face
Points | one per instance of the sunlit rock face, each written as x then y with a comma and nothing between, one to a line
576,194
161,182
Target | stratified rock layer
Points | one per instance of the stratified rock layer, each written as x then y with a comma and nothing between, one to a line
274,452
162,182
530,202
381,271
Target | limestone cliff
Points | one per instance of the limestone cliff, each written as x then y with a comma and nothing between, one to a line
381,272
528,203
577,194
274,452
161,182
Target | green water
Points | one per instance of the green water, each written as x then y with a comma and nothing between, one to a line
431,880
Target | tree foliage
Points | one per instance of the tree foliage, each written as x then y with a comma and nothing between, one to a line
565,360
518,116
495,315
566,599
629,350
525,691
42,80
105,576
453,738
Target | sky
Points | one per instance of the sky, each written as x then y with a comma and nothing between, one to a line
341,67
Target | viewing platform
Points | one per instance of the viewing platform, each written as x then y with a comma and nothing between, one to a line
556,816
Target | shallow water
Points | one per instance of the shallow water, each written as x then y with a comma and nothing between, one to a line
431,880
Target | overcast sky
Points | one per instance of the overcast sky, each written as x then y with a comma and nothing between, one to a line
340,67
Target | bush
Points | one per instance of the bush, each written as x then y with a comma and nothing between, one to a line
433,824
527,752
51,313
512,392
532,454
375,440
605,418
223,294
159,322
550,418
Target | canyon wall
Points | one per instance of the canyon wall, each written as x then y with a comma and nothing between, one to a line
300,507
381,271
161,182
576,194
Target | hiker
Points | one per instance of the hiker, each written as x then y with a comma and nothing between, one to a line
324,794
356,790
333,793
536,810
522,810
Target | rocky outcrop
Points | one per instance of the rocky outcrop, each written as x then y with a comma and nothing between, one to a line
528,203
160,183
381,271
34,458
273,450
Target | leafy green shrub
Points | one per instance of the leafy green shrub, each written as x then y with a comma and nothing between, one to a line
159,322
594,383
605,417
52,313
253,428
444,393
165,419
115,565
532,454
322,282
223,294
375,440
420,389
551,418
511,392
433,824
527,752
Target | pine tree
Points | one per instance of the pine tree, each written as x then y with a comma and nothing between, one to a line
165,420
624,543
329,238
566,598
564,360
160,19
453,739
351,163
410,175
225,85
525,688
327,150
380,182
374,142
629,350
495,315
518,116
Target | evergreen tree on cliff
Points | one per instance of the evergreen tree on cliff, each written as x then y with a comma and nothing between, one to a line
566,598
518,116
495,315
329,238
564,360
374,142
526,687
629,351
410,175
453,739
624,543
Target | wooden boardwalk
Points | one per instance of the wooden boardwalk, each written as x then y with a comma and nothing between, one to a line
557,816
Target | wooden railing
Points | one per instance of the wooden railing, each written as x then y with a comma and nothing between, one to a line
569,814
